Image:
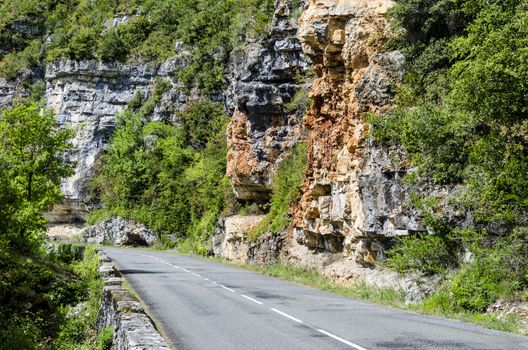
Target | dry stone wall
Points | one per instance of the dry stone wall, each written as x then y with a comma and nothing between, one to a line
133,329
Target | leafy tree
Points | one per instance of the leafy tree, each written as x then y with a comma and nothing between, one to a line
33,286
462,115
31,168
171,179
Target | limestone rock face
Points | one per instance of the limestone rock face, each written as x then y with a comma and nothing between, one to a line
353,194
119,232
86,96
264,78
230,241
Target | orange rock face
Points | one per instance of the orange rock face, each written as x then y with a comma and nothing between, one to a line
355,76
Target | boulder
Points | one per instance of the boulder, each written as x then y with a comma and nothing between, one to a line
119,232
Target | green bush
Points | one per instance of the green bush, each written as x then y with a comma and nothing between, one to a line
425,253
171,179
497,272
104,338
461,116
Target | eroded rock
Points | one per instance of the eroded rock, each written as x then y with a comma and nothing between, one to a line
119,232
264,79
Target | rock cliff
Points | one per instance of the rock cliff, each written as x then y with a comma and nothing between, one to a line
267,79
353,199
353,193
86,96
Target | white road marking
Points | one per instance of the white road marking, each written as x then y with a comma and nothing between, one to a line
286,315
229,289
250,298
344,341
322,331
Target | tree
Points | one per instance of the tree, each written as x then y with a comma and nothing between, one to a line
32,164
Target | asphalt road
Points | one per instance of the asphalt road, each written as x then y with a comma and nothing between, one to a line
207,305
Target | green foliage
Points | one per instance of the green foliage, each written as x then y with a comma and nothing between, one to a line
286,191
429,254
12,63
31,168
34,292
34,285
171,179
497,272
301,102
78,330
462,115
104,338
81,29
462,111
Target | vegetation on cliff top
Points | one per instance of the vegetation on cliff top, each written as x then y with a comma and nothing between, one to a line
462,115
34,30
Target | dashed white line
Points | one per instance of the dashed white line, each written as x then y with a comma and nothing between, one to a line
250,298
344,341
322,331
286,315
229,289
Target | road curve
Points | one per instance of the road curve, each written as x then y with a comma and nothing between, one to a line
206,305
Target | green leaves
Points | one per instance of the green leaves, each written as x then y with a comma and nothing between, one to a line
463,109
286,191
170,178
462,115
32,149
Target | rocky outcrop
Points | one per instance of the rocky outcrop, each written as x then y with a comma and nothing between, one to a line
86,97
266,100
119,232
133,329
231,242
353,194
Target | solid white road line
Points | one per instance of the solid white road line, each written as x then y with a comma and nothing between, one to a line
286,315
185,270
197,275
229,289
250,298
344,341
207,279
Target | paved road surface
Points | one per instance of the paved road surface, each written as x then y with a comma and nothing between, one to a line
205,305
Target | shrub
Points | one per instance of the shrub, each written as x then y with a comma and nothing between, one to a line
425,253
171,179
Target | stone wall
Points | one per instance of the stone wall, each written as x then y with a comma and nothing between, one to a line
231,242
133,329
